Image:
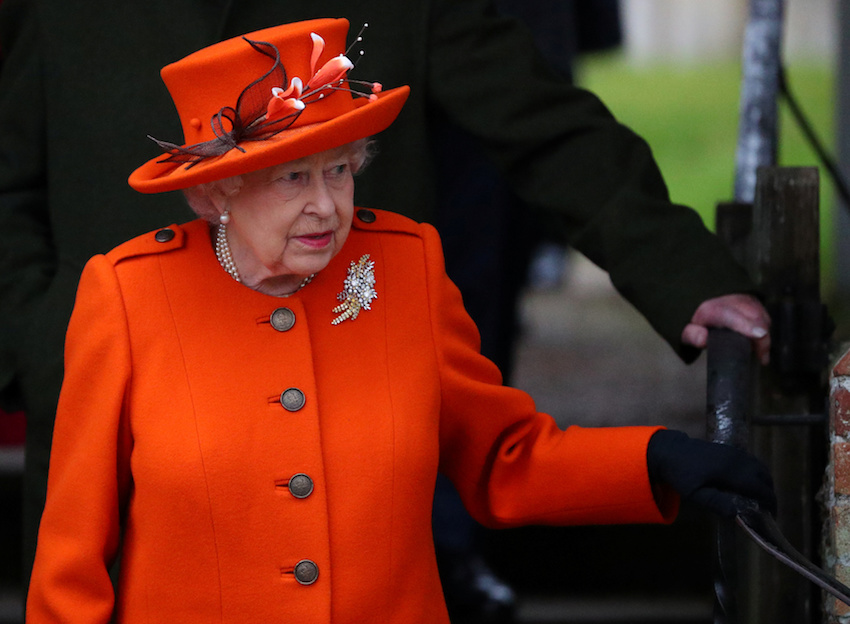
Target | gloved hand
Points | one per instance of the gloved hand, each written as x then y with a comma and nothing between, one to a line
713,475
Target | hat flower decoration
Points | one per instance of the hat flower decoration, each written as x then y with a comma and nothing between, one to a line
278,117
332,74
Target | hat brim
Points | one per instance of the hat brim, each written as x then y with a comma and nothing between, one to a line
367,119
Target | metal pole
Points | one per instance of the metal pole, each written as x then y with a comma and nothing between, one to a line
757,131
728,401
729,366
729,361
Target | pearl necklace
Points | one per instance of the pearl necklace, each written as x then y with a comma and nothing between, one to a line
225,259
222,252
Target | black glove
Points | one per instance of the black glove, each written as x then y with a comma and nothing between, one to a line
717,476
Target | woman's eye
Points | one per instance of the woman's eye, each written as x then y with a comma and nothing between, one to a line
338,170
292,176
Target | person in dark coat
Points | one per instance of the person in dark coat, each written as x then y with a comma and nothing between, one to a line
80,79
492,243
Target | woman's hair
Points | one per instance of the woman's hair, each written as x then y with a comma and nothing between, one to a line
360,154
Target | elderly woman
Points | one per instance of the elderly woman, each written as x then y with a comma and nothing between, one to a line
257,403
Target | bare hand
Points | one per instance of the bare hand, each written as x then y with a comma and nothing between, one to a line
741,313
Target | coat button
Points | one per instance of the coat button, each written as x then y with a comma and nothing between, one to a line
366,216
282,319
164,235
292,399
300,486
306,572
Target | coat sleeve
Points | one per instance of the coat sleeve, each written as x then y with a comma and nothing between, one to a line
27,255
511,464
565,154
89,466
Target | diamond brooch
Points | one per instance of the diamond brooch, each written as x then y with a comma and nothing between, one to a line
358,290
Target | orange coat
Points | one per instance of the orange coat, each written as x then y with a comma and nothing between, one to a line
172,444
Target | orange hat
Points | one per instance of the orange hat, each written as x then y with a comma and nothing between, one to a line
244,108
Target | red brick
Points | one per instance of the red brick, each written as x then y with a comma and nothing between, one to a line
839,410
842,366
840,530
841,466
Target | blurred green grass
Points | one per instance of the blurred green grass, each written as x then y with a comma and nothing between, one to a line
689,116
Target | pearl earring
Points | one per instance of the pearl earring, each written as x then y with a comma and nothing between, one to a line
224,217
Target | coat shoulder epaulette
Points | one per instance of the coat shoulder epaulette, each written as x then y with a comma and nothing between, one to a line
155,242
368,219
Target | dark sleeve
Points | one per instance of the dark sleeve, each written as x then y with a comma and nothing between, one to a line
27,256
565,154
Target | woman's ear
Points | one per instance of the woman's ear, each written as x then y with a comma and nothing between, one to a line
221,192
231,186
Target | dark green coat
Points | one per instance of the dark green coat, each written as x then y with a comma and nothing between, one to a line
80,89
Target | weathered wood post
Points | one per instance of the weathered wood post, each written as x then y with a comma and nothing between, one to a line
789,422
777,240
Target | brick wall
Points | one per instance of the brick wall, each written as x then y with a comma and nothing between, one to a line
836,495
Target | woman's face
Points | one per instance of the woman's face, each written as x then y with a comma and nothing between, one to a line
288,221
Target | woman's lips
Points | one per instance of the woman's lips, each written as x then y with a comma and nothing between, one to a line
317,240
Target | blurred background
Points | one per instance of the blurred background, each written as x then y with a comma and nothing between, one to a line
676,80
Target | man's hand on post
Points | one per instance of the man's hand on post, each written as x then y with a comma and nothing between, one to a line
741,313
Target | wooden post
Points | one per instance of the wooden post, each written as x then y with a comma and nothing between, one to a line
786,233
787,433
777,240
733,223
